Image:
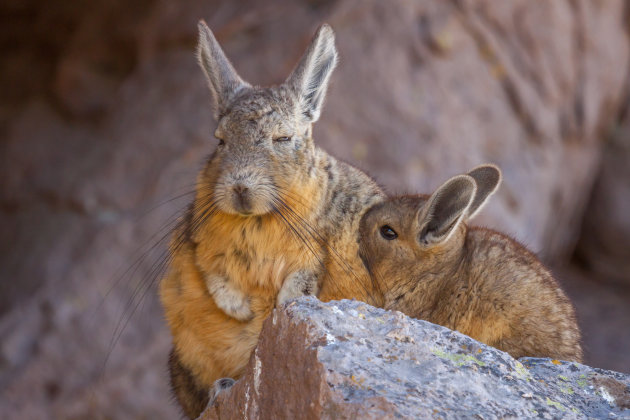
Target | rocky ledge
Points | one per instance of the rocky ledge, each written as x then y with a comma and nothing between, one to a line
346,359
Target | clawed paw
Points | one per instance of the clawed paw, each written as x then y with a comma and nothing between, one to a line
300,283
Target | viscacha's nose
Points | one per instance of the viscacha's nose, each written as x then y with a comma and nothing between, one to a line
242,199
241,190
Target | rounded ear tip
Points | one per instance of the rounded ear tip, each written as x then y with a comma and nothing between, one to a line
326,31
497,172
464,183
489,170
204,29
325,27
494,168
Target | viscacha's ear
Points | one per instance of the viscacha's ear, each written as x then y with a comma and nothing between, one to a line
445,210
310,77
487,177
223,80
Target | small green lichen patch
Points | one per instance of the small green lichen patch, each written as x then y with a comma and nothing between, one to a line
458,359
555,404
522,371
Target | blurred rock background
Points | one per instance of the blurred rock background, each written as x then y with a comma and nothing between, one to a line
105,119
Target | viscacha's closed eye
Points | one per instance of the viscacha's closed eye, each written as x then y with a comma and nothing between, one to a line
282,139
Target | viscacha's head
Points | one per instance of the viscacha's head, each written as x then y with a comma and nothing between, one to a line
406,236
263,133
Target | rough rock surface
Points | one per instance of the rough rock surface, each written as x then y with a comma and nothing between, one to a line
604,245
346,359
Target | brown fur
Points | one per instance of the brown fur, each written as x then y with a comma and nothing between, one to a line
193,397
477,281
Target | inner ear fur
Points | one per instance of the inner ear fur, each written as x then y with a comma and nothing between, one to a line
487,178
309,79
445,209
223,80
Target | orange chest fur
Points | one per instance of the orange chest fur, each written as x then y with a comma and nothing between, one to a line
253,253
259,252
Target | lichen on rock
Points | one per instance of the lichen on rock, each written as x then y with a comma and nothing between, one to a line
346,359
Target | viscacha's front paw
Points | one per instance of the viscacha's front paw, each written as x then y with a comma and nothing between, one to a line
300,283
228,298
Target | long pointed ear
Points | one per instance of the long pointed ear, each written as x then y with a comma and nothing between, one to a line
309,79
445,210
223,80
487,177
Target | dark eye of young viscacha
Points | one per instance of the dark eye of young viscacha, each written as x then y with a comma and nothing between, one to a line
388,233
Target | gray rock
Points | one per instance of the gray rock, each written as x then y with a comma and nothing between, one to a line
346,359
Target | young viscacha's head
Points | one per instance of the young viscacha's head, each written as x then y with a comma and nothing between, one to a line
407,236
264,133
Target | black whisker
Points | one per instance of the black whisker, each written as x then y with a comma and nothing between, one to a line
179,237
141,255
297,234
315,235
